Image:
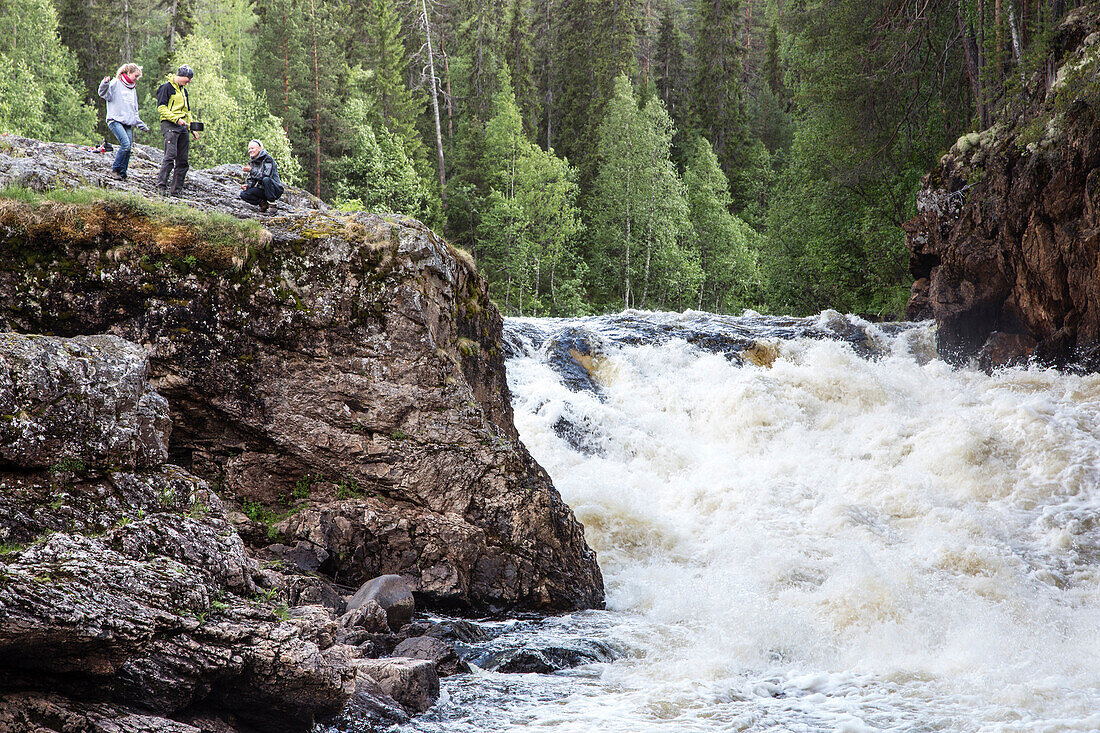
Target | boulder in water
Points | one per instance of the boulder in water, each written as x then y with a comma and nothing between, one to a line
544,659
412,682
369,616
392,594
572,353
442,655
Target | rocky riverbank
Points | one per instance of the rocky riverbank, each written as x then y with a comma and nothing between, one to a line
1005,249
212,433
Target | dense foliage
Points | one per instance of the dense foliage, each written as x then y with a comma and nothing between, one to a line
713,154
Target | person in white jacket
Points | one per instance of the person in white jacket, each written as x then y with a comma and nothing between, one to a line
122,113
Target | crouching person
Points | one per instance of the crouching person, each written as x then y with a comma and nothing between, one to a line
263,186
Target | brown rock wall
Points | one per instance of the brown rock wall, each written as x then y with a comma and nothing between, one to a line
1005,248
345,375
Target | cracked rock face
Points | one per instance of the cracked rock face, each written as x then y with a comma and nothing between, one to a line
127,600
346,378
82,401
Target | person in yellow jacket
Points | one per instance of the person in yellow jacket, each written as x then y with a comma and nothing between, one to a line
175,126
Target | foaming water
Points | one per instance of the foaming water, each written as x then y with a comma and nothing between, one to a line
808,525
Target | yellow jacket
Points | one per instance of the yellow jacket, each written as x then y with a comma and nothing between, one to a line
172,103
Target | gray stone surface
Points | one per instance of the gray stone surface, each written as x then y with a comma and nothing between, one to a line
412,682
83,401
392,594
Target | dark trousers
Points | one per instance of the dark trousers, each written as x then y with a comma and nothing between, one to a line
269,191
177,143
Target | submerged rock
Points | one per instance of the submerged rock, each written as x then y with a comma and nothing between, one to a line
439,653
544,659
572,352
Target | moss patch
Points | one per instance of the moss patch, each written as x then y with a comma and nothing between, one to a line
180,235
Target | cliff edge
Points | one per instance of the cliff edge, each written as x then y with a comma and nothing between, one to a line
339,377
1005,248
211,424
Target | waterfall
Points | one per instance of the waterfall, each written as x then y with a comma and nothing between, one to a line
809,525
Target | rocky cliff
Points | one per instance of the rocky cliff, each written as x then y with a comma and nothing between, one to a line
1005,248
327,386
126,596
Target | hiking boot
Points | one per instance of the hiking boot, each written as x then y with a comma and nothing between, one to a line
162,191
118,175
264,206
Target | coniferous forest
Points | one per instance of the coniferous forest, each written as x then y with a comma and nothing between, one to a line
592,155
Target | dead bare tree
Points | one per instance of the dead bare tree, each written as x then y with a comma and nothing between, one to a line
429,71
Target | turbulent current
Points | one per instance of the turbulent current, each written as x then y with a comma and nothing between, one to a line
805,525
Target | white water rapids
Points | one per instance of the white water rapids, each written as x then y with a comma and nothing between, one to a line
847,535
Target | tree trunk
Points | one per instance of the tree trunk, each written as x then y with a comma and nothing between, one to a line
435,103
549,79
649,229
973,68
748,28
1016,44
171,30
479,92
553,291
128,48
447,84
286,75
316,104
626,289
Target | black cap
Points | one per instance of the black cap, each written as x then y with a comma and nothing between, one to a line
186,70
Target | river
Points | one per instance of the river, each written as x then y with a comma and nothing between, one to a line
805,525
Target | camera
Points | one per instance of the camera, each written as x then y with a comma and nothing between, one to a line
197,126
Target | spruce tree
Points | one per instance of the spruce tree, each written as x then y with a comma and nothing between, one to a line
719,95
545,25
180,24
95,44
280,52
672,77
596,44
520,57
392,102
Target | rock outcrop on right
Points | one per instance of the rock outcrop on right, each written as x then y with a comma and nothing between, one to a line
1005,248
